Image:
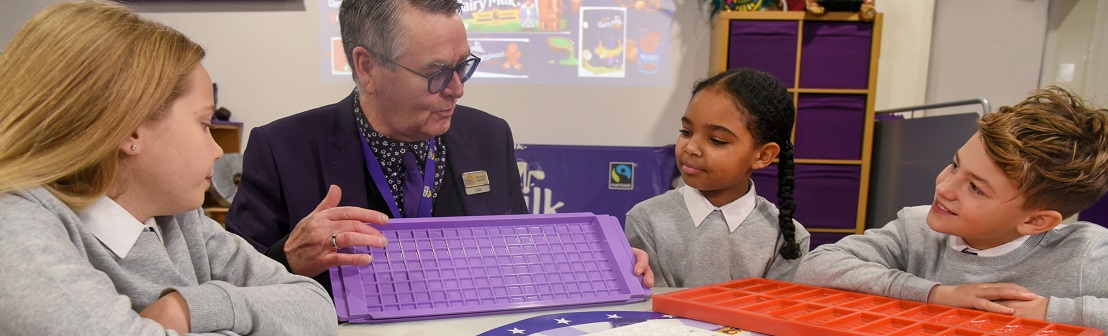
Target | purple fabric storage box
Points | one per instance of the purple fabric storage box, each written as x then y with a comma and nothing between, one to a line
1098,213
821,238
768,46
830,126
460,266
835,55
826,195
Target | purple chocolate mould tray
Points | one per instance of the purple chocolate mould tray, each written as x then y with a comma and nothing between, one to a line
459,266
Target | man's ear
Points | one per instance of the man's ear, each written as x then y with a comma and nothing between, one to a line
364,66
765,155
1040,221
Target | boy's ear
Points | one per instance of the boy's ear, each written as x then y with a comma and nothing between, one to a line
1039,222
765,155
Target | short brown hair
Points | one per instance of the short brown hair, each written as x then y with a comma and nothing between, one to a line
74,83
1055,145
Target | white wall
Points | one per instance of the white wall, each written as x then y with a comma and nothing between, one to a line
1076,53
905,53
265,57
986,48
14,15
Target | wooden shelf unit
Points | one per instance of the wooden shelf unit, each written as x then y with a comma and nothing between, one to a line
229,137
829,65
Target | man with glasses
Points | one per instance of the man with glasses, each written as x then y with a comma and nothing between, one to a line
397,146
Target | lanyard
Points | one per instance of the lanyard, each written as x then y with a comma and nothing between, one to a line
382,184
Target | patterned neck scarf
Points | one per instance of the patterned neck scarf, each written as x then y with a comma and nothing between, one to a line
390,152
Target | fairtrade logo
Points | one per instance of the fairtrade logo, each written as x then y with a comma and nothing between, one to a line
621,175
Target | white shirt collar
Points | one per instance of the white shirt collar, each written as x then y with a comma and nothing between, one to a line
114,226
959,244
734,213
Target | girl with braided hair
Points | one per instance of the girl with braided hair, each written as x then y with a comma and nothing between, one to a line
716,228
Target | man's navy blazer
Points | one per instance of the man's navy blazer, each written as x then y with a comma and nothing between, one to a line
290,163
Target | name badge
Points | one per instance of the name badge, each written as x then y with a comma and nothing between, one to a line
476,182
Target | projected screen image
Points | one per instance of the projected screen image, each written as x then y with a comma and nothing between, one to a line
591,42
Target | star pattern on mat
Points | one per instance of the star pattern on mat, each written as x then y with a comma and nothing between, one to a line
581,323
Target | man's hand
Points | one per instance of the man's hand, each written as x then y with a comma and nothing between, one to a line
309,248
171,311
1035,309
642,267
980,296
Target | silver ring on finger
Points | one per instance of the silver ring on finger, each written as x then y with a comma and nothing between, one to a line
335,240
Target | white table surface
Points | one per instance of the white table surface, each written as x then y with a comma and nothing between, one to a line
476,324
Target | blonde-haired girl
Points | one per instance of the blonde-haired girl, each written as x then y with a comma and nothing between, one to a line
105,156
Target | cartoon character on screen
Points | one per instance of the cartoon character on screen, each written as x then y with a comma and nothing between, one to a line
716,228
649,53
528,15
511,57
550,14
608,52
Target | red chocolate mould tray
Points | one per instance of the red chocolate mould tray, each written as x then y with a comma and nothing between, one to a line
784,308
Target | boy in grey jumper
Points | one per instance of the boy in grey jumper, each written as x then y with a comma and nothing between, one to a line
992,239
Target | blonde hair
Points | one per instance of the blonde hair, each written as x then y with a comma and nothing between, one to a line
75,82
1055,145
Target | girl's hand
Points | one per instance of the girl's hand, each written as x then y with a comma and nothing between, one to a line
642,267
171,311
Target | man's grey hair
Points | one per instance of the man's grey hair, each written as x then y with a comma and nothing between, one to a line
375,25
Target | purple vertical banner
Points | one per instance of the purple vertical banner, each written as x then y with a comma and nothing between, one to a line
598,179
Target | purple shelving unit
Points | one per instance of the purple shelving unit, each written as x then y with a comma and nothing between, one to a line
769,46
460,266
836,55
830,126
826,195
829,64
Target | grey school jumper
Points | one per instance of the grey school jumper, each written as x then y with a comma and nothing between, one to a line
906,258
58,279
683,255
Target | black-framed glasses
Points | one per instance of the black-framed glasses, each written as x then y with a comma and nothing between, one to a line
438,81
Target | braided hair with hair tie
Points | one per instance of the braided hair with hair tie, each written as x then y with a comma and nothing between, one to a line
770,115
